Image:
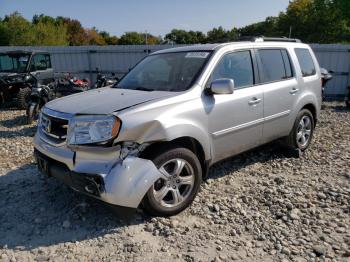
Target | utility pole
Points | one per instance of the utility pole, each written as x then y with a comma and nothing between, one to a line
146,37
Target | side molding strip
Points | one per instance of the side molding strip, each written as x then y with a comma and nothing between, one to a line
251,124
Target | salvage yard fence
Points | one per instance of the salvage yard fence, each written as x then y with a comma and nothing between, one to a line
83,61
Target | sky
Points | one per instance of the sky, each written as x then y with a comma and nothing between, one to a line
154,16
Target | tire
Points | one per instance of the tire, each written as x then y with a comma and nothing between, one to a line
173,193
32,112
301,135
23,97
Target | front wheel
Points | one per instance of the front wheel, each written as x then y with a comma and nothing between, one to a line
301,135
32,112
23,97
177,188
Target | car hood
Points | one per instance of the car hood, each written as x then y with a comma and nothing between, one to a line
104,100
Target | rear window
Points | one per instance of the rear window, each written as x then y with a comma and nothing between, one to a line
275,65
305,61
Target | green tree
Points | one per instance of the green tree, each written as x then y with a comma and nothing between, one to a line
317,21
109,40
50,34
17,30
178,36
132,38
218,35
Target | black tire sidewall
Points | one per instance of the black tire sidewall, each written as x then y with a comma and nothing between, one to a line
301,114
22,96
150,204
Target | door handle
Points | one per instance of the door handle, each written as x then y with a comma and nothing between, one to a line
294,91
254,101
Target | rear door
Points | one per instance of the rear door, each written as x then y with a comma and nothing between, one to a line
235,120
280,88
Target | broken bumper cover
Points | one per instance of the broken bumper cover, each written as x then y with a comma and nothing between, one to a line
98,172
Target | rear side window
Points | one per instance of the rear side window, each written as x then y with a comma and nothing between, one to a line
40,62
275,65
306,62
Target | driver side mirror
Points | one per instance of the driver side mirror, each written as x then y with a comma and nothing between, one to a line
222,86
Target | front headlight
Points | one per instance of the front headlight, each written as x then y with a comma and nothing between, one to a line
85,130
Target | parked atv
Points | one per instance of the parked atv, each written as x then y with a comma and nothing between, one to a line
103,80
16,71
41,94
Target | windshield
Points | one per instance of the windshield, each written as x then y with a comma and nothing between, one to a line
165,72
13,62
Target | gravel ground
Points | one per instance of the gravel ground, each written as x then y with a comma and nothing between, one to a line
259,206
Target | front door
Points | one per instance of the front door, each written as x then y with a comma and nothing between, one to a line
235,120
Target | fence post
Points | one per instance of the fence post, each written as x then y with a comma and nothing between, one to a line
90,63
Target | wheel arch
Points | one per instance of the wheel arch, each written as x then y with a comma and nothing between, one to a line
312,108
185,141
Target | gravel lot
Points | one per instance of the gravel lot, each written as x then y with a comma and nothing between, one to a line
259,206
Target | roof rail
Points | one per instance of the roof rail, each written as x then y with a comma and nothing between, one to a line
268,39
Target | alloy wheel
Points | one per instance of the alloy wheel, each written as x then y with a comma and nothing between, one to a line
176,184
304,131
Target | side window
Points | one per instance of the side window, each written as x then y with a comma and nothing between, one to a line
306,62
237,66
39,62
275,65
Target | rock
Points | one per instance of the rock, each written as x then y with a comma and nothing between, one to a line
149,227
174,223
294,214
279,180
216,208
319,250
285,251
219,248
321,195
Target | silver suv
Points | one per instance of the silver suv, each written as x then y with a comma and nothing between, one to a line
150,139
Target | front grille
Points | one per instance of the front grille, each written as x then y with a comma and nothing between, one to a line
53,127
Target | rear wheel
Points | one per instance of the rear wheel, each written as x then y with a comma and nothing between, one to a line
301,135
23,97
177,188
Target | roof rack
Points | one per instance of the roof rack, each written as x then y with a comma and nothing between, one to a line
268,39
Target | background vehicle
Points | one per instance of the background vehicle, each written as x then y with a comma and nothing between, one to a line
326,77
15,81
41,94
150,139
103,80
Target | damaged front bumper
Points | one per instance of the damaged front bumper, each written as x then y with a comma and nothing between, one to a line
108,174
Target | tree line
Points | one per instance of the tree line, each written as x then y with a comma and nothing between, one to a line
316,21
